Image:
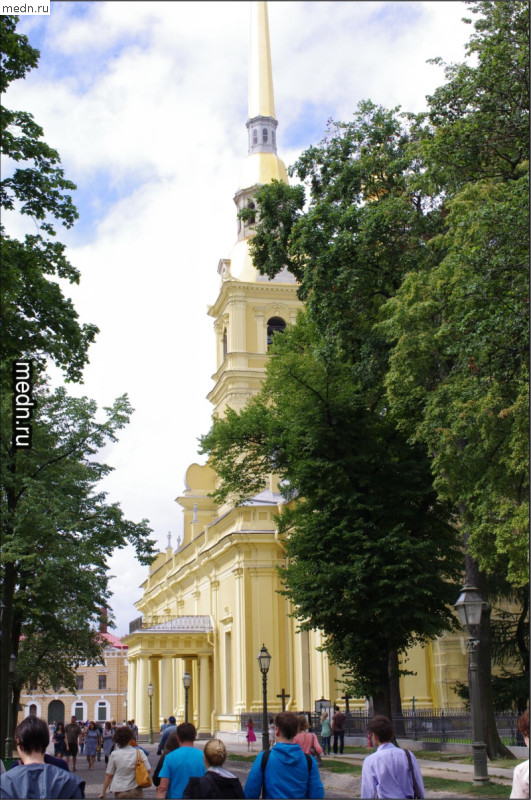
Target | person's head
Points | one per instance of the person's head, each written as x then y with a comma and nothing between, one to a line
288,724
303,723
92,725
336,708
214,753
60,728
122,736
108,726
271,720
186,733
382,728
523,725
324,715
113,723
73,719
165,720
172,743
250,722
172,720
32,735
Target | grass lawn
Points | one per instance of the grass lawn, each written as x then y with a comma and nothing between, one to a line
463,789
439,755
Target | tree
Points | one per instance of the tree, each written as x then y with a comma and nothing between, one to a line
38,321
58,531
458,373
370,557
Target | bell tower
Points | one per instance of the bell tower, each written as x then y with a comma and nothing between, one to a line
250,307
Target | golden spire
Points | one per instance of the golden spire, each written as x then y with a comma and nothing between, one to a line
261,98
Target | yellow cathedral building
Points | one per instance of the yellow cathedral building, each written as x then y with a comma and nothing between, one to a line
208,606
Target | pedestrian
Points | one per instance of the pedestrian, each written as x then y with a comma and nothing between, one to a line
284,771
120,771
521,772
326,732
82,734
251,736
59,741
98,747
217,782
308,741
172,728
182,764
339,721
92,740
72,733
271,732
172,743
390,771
107,742
164,725
134,728
35,778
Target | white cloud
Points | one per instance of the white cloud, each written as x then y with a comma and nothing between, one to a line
146,103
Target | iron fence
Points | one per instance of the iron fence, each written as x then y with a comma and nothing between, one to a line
426,725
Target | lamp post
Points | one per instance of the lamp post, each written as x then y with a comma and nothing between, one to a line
470,606
187,680
264,660
150,690
9,736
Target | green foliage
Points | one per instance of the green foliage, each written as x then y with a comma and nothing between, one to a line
58,532
370,555
38,321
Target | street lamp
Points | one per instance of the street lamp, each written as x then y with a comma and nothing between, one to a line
264,660
187,681
470,606
9,737
150,691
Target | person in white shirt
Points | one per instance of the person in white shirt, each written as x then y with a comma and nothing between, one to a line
520,790
120,773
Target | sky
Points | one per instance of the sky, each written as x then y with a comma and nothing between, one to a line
146,103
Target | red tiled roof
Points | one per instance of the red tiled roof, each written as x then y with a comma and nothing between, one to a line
114,641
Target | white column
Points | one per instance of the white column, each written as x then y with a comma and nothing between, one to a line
131,688
155,703
166,695
204,694
142,704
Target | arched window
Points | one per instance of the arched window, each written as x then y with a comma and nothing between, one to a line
224,340
255,136
274,325
264,135
273,138
33,710
252,218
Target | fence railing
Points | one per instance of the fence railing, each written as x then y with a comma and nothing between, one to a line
426,725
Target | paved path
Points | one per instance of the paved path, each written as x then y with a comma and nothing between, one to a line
337,785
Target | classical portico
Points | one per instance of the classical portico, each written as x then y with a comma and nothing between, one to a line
160,654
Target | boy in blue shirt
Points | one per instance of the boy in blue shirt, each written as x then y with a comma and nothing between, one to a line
180,765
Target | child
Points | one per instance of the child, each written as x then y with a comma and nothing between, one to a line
251,738
271,731
217,782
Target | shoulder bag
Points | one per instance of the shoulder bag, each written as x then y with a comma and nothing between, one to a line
141,774
416,790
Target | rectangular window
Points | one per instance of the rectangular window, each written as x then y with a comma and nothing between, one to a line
79,682
102,681
79,711
102,712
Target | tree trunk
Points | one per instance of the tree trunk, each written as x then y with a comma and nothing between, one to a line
382,699
6,650
393,667
495,746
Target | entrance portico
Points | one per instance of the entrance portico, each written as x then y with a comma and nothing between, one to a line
161,654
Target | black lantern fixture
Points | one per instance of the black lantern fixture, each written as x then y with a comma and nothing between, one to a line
264,661
150,691
187,682
470,607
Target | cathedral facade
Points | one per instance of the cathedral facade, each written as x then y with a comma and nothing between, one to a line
209,606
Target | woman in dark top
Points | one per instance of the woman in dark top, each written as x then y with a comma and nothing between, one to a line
59,741
217,782
172,743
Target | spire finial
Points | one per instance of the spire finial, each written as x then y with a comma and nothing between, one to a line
169,539
261,98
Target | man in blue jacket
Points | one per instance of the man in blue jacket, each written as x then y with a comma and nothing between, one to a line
288,772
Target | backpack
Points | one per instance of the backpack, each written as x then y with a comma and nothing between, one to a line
265,759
